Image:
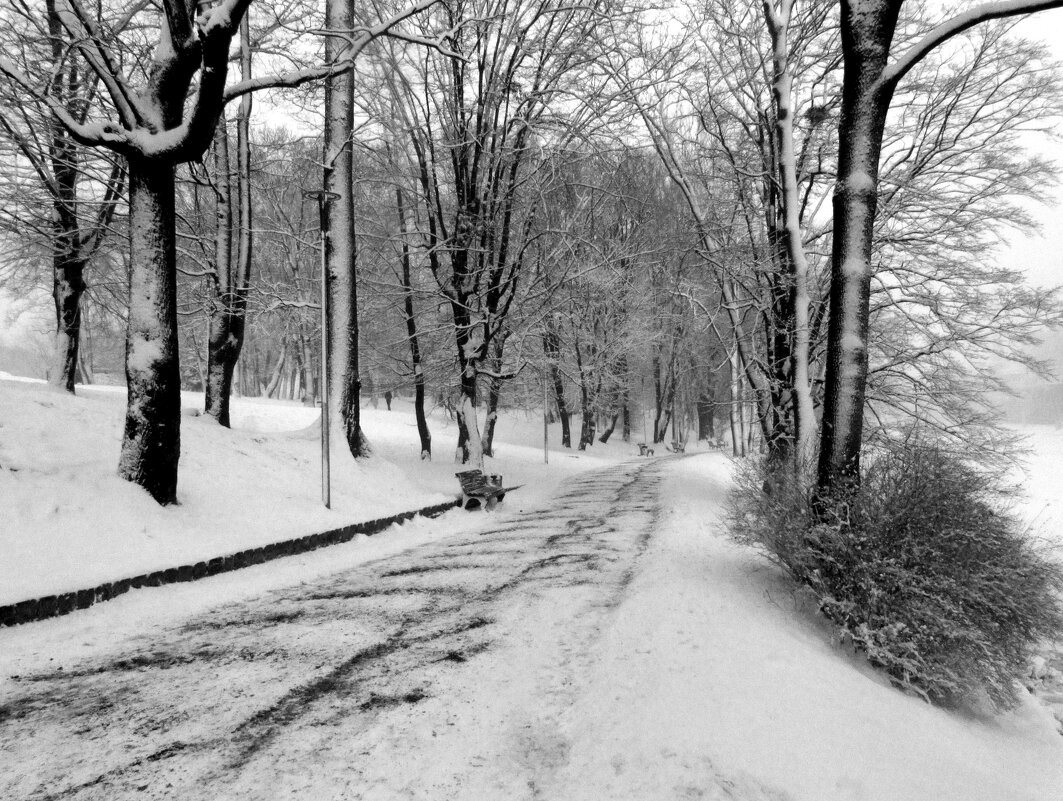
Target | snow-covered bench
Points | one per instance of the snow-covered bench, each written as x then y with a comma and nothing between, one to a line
645,450
479,490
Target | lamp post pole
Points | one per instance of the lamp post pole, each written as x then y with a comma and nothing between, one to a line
546,425
323,198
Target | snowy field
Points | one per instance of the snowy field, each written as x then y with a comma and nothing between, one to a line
703,678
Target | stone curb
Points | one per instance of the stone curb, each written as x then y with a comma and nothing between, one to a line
55,605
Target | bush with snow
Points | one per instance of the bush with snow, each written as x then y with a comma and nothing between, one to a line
923,568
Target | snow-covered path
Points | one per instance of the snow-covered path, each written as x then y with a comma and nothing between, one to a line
612,645
432,674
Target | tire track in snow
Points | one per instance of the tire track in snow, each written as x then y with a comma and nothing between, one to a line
282,690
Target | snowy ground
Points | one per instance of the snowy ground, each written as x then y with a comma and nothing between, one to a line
69,522
598,637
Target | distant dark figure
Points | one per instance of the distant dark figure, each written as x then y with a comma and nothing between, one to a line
387,399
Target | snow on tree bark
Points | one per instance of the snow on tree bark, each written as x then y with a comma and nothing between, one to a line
228,317
151,441
804,417
340,249
869,81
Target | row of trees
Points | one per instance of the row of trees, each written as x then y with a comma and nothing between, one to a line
783,210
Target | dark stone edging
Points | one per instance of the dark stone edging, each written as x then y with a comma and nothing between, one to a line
55,605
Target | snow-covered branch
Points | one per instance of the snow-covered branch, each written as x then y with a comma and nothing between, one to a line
358,43
955,25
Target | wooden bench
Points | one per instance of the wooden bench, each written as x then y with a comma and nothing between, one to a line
645,450
679,447
478,490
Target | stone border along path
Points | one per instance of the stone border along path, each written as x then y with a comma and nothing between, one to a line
55,605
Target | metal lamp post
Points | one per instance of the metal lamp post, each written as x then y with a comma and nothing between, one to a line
546,425
323,198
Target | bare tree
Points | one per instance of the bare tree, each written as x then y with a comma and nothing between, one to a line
872,74
167,120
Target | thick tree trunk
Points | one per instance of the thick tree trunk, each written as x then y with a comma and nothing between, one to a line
151,443
340,250
866,36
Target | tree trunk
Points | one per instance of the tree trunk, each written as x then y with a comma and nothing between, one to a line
804,418
411,335
278,372
68,263
658,397
470,445
151,443
340,247
228,319
67,287
866,37
494,394
604,438
86,373
220,340
587,423
307,365
707,414
735,408
552,348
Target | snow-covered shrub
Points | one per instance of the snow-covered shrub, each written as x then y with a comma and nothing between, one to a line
923,567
